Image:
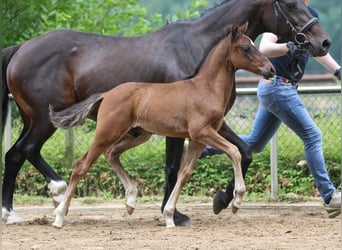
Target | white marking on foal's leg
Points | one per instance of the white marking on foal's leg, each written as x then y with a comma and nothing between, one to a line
10,217
131,196
239,191
60,214
57,199
57,188
168,215
169,220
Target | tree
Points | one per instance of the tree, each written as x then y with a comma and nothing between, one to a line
23,20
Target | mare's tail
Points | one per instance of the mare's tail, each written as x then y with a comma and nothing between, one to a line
7,54
75,114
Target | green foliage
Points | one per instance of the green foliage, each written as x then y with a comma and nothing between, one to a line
28,19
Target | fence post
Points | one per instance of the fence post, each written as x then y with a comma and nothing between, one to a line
8,129
274,167
69,147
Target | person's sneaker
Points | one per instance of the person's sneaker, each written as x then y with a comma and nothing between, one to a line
209,151
334,207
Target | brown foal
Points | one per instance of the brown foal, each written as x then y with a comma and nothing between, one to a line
130,113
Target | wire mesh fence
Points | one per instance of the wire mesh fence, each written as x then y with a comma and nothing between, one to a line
324,106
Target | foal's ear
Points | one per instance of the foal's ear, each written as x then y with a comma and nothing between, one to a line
244,27
235,30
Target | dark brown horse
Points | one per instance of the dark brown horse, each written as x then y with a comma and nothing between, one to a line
192,108
64,67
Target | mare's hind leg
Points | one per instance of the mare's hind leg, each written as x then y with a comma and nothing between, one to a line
112,155
222,199
189,161
28,147
13,163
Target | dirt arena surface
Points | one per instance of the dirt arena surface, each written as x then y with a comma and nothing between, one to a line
108,226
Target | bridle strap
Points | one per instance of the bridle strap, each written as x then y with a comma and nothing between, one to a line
309,24
278,10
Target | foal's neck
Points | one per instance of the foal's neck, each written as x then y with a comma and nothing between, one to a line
216,72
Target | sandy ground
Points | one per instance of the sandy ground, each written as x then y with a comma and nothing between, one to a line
108,226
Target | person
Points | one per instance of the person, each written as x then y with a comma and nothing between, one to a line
280,102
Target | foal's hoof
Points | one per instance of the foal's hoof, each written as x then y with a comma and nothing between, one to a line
181,220
235,208
221,201
129,209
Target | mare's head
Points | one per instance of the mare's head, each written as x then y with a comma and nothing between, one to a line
292,19
243,54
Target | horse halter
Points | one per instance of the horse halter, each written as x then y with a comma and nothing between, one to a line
300,37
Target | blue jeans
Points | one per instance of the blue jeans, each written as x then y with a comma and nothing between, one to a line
280,102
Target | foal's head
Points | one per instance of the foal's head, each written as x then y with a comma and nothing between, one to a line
244,55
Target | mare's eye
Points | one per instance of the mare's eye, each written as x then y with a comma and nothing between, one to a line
292,6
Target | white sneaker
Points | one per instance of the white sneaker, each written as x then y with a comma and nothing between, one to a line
334,206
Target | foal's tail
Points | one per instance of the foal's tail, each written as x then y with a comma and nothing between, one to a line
7,54
75,114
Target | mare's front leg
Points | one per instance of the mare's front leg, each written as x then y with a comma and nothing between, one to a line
190,158
28,146
174,152
222,199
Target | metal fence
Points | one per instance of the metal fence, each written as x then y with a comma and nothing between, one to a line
323,103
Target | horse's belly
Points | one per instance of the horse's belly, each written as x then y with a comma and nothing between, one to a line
165,126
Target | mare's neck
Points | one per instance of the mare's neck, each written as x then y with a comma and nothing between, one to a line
216,22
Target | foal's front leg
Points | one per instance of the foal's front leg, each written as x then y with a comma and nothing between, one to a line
188,164
212,138
222,199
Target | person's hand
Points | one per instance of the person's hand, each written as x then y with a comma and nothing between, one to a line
338,73
296,50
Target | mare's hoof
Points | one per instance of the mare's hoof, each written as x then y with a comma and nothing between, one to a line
181,220
12,218
220,202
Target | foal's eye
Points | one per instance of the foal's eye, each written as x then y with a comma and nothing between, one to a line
292,6
246,48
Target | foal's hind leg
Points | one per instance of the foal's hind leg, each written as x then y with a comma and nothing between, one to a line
82,166
112,155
